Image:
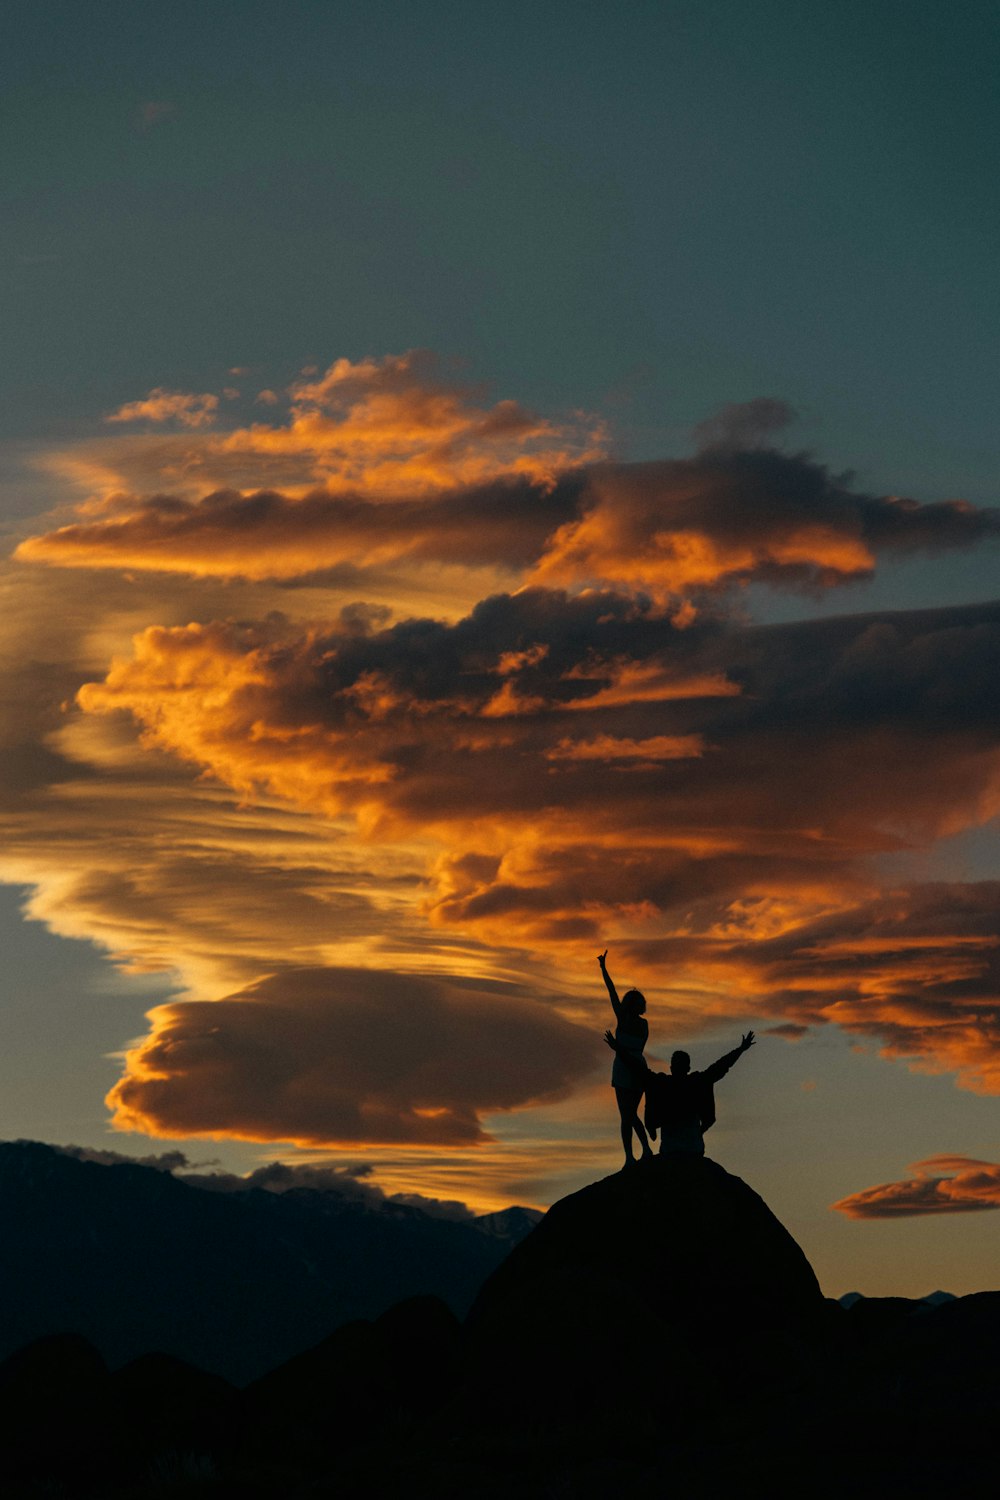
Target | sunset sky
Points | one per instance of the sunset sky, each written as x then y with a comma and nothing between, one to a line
482,485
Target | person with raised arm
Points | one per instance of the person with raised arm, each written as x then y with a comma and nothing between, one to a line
679,1104
630,1036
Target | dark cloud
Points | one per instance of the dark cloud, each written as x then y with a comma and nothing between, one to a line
821,740
672,528
728,517
351,1182
162,1161
334,1056
273,535
344,1180
743,425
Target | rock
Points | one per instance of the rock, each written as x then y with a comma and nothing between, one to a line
680,1236
674,1271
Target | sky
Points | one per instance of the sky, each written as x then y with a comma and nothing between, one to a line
481,486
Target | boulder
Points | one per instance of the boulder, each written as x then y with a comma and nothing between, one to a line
678,1236
672,1277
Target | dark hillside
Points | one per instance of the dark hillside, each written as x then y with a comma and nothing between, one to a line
135,1261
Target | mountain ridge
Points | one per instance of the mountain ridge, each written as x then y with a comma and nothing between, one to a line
134,1260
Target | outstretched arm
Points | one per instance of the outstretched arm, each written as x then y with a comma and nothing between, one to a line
721,1068
613,993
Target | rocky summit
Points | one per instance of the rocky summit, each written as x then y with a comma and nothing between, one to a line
672,1277
677,1236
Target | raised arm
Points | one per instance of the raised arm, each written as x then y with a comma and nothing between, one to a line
721,1068
613,993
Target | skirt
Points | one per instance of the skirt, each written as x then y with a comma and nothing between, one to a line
625,1077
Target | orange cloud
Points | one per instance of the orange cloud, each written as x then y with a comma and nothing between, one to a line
927,990
421,763
128,848
623,681
384,462
393,425
944,1184
393,428
607,748
617,544
272,535
800,759
164,406
732,853
728,516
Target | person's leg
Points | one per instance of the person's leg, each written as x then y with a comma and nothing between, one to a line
640,1131
628,1109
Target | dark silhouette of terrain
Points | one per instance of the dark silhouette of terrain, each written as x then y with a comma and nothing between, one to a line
235,1282
658,1333
678,1235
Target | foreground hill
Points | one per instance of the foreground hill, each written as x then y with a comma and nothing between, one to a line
659,1333
134,1261
678,1235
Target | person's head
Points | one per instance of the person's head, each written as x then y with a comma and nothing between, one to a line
680,1062
634,1003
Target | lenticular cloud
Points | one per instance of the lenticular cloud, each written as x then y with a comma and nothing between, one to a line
944,1184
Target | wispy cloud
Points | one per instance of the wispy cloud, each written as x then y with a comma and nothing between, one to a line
187,408
405,472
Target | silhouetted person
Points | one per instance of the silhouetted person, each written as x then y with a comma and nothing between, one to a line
629,1038
679,1104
